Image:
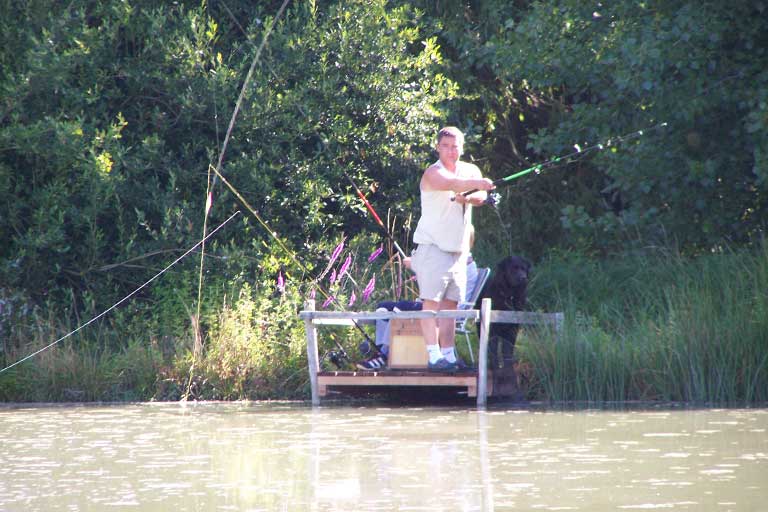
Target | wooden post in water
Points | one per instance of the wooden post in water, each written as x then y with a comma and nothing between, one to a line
482,355
312,357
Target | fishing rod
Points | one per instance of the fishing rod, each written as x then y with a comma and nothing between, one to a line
375,215
579,151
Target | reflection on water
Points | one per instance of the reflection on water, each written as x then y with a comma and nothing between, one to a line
288,457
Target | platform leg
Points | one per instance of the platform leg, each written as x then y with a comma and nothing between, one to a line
312,356
482,352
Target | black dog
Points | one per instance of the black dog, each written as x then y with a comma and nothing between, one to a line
508,290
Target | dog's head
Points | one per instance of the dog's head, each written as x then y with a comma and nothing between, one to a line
512,272
509,284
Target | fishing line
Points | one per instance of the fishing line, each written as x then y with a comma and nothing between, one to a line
253,211
217,169
507,228
248,77
208,202
238,104
360,194
134,292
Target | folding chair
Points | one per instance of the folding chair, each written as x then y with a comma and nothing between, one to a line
462,324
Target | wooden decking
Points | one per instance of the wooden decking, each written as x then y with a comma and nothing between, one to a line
337,380
478,383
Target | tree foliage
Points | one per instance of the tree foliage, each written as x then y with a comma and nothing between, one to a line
539,77
113,114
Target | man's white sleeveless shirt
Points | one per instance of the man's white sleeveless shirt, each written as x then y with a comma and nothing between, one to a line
440,217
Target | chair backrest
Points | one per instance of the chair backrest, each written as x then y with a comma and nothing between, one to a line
482,276
462,324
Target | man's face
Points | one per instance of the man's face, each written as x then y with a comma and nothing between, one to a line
449,149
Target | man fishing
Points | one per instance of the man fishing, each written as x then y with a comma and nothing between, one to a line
442,239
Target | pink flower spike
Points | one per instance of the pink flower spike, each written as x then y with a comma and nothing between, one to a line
328,301
336,253
280,282
333,258
345,266
333,276
312,294
352,298
369,289
375,254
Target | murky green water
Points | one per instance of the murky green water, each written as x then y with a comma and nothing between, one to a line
172,457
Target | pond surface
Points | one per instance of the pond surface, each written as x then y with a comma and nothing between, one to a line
254,456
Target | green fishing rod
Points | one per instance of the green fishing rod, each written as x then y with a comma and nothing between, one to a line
578,151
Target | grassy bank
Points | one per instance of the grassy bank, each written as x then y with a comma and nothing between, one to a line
652,326
248,345
655,326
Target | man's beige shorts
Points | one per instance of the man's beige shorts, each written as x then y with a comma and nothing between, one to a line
440,275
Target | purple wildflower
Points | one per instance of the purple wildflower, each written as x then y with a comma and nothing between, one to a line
280,282
328,301
333,276
369,289
334,257
345,266
375,254
352,298
312,294
336,253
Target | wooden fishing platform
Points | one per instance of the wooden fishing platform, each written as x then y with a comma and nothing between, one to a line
336,380
476,382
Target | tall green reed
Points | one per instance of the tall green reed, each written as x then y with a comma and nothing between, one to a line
88,366
653,326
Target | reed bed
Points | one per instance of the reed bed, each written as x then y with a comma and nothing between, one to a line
653,326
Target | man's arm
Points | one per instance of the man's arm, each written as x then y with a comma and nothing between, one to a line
476,198
437,178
